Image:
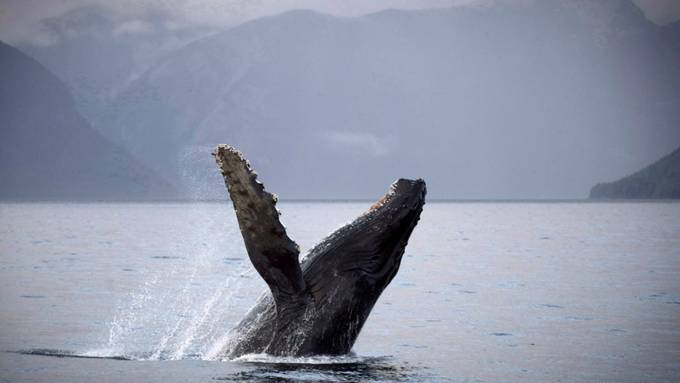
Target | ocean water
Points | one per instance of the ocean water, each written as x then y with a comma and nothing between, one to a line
487,292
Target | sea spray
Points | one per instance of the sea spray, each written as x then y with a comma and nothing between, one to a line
183,308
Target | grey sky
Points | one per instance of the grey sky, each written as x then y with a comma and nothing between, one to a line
20,19
512,99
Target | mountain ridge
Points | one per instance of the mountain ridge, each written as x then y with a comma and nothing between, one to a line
512,100
97,52
284,85
660,180
48,151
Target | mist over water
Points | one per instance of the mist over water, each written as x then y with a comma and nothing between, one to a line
486,291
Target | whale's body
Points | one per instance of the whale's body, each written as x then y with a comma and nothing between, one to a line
317,306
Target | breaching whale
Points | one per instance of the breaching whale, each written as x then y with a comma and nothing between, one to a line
317,306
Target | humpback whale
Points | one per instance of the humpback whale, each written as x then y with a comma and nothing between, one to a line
319,305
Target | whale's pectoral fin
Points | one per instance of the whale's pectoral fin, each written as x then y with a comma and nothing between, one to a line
274,255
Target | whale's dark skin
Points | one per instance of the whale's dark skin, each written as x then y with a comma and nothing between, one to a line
318,306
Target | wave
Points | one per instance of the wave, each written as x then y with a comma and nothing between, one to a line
58,353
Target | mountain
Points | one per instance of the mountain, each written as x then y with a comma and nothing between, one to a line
49,152
508,100
658,180
97,52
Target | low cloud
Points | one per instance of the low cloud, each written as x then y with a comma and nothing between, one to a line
20,19
133,27
365,142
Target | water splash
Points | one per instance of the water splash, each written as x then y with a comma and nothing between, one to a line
186,323
183,309
202,334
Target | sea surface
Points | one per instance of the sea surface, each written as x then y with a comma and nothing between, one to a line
487,292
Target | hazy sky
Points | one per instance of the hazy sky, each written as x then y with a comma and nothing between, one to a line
20,19
471,101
